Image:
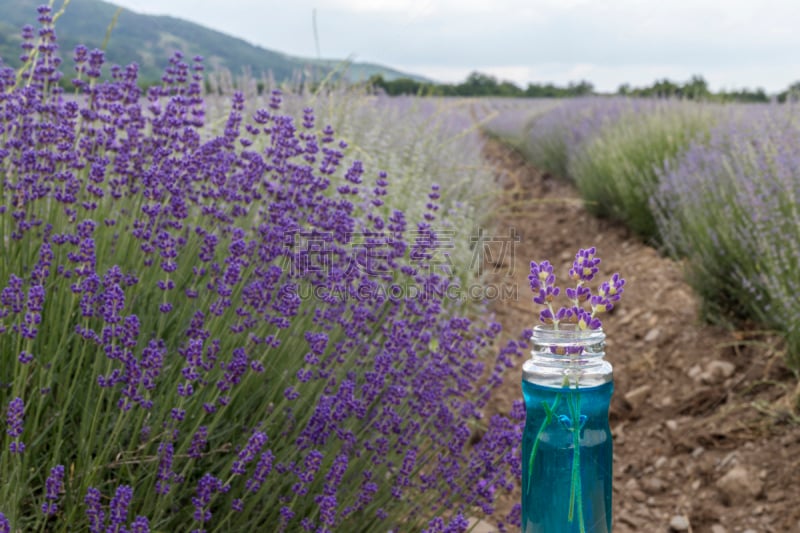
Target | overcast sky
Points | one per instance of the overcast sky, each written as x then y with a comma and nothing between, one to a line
732,43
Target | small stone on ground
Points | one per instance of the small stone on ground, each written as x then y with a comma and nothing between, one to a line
679,523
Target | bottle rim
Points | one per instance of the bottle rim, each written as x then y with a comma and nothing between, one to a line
567,332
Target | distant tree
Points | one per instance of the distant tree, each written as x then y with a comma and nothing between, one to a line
478,84
399,86
743,95
695,89
509,89
582,88
664,89
791,94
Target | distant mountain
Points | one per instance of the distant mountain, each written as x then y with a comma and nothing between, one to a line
150,40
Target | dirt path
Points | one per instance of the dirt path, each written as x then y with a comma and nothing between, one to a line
703,440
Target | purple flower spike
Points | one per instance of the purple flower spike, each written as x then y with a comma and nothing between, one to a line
199,443
541,275
612,289
263,468
246,455
584,267
165,473
206,488
5,526
94,510
14,418
118,508
54,486
140,525
542,282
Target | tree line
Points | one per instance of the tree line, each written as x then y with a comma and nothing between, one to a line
478,84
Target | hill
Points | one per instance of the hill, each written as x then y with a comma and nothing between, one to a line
150,40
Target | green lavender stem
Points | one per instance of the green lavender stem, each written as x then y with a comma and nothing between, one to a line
550,413
575,486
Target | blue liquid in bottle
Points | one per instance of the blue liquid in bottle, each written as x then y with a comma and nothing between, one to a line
565,492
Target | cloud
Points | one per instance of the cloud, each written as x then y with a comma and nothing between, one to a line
543,39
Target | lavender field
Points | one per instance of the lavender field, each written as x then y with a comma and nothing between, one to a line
221,313
230,309
714,186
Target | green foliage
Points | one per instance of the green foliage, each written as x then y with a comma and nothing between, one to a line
694,89
791,94
757,96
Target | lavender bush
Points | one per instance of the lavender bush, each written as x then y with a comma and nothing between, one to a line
553,139
418,141
730,206
509,119
206,330
616,169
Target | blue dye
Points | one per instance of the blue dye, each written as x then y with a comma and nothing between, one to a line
550,491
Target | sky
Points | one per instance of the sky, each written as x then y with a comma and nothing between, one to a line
733,44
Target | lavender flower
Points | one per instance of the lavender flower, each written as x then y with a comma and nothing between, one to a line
118,509
457,524
199,443
94,510
14,420
206,488
54,486
254,445
165,473
584,268
263,468
140,525
542,282
585,265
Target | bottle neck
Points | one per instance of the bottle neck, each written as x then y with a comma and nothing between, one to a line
567,357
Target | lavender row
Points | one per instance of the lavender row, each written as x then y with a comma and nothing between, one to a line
731,206
208,323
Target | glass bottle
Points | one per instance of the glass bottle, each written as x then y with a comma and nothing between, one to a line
566,447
